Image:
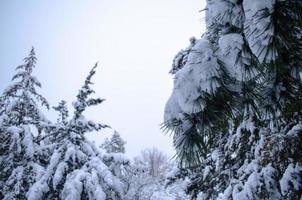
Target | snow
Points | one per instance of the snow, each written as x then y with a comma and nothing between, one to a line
193,79
246,125
118,158
259,30
172,192
295,130
226,194
73,186
172,172
17,187
95,191
172,109
181,57
232,13
291,176
14,129
206,172
59,173
35,81
76,104
89,178
251,7
27,142
15,138
11,87
231,45
268,173
231,41
106,175
75,167
37,190
215,155
250,187
3,119
259,146
70,153
12,105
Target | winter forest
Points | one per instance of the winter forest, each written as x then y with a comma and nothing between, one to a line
233,113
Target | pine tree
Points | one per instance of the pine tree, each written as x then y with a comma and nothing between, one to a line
115,159
235,108
21,121
76,169
115,144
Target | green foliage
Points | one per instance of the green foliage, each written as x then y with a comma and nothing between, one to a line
242,131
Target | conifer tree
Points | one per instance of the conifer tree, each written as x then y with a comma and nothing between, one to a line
115,144
21,121
76,169
115,158
235,108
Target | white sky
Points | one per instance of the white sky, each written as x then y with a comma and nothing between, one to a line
134,42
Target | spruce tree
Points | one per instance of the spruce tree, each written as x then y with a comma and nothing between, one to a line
21,122
115,158
115,144
236,105
75,169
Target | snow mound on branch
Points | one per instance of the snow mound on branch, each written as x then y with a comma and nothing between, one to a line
90,178
232,13
196,77
259,28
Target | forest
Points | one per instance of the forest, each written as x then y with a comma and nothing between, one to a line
235,116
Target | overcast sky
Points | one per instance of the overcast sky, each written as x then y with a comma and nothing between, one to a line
134,42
